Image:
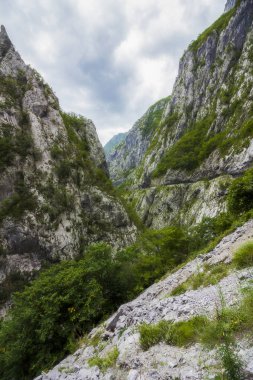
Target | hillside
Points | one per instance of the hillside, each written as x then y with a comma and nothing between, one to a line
56,197
204,139
132,345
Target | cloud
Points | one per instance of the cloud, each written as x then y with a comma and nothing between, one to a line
107,59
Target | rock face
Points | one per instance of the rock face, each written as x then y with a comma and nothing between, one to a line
206,129
113,143
55,196
229,5
163,361
128,155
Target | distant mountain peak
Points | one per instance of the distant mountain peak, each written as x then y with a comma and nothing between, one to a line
5,42
229,5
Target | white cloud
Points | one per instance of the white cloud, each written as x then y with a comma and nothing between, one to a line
107,59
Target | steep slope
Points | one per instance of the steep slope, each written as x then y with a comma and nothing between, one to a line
116,349
113,143
205,137
55,196
127,155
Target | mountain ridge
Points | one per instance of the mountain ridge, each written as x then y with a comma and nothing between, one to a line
205,135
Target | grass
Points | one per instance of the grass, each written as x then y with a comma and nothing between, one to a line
210,276
106,362
243,257
222,329
177,334
217,26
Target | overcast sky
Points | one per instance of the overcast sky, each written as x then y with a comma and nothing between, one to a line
108,60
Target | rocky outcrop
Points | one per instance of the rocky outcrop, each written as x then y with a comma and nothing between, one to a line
55,196
206,129
155,304
184,203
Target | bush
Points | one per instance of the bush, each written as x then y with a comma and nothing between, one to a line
243,257
151,335
231,362
240,195
6,152
57,308
19,202
105,362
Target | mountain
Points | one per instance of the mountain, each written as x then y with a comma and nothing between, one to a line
128,155
55,194
204,139
115,140
184,282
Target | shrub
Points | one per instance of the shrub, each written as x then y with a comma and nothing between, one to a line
6,152
243,257
151,335
105,362
57,308
19,202
240,195
63,170
231,362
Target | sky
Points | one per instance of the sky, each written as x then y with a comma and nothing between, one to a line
108,60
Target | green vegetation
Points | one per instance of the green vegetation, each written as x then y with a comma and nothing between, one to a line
240,197
211,332
68,299
231,363
218,26
105,362
191,149
153,119
19,202
58,200
177,334
13,89
73,161
15,281
209,276
64,302
16,143
243,257
220,332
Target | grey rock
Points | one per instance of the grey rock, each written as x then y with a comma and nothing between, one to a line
155,304
71,204
229,5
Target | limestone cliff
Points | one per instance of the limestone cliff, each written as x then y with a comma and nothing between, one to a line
205,135
113,143
55,196
128,154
